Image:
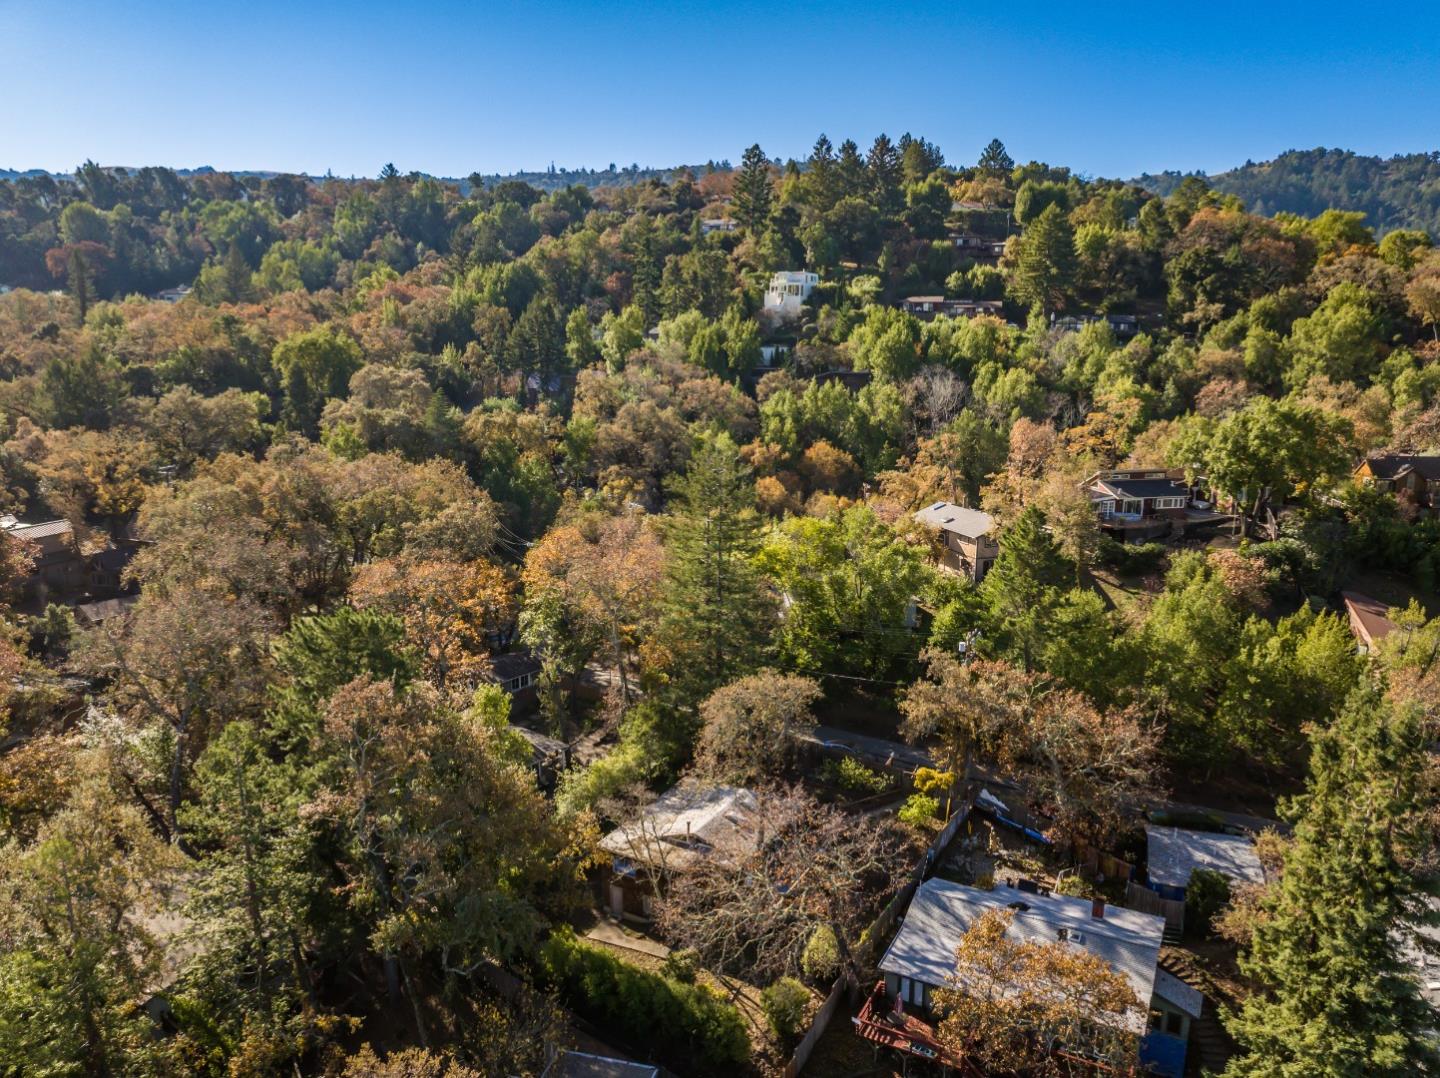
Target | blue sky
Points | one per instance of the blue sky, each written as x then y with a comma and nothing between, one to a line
449,88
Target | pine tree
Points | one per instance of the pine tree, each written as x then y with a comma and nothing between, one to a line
820,178
753,194
882,165
1338,997
1044,267
1024,587
850,170
717,615
994,161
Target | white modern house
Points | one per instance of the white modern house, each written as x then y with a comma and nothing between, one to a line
789,289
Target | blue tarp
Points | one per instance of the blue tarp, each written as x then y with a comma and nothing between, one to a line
1162,1054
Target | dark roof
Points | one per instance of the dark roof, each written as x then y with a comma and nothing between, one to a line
512,665
1390,465
1147,488
105,609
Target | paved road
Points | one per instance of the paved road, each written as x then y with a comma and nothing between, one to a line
877,749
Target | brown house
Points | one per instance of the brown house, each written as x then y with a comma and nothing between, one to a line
1410,477
60,568
1369,620
967,538
683,827
928,308
1147,503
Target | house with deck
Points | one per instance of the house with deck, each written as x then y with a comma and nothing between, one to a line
1413,478
1136,504
788,290
966,536
921,959
929,308
686,825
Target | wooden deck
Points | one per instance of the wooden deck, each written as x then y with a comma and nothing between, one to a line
878,1023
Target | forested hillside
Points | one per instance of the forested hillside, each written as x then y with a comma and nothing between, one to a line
416,537
1395,192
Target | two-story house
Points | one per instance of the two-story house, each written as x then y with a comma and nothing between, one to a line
966,536
1146,503
928,308
789,289
1409,476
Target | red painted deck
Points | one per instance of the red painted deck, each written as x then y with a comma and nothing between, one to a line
878,1023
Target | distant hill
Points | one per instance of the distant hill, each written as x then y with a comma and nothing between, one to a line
551,179
1396,192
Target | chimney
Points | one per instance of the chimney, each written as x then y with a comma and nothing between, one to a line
1097,909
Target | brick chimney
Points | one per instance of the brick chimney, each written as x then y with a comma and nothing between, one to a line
1097,909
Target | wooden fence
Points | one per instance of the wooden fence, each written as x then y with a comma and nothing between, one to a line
878,930
818,1026
1141,898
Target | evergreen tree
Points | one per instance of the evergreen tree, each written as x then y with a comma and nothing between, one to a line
918,158
717,614
253,894
537,342
580,347
1023,588
78,279
753,194
645,273
320,654
1044,267
882,166
1338,996
820,177
994,161
850,170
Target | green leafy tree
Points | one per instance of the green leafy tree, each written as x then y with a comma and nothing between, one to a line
848,581
78,950
314,366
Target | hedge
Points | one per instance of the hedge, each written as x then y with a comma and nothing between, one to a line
683,1023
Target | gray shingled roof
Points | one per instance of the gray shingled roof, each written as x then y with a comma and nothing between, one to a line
1175,853
942,912
970,523
688,823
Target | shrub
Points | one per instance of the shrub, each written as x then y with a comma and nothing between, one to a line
1206,895
919,810
1072,885
681,965
850,774
930,781
784,1004
821,958
689,1025
1130,560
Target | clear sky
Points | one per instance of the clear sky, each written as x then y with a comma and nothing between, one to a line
451,88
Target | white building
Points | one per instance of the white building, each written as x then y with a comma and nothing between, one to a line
789,289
